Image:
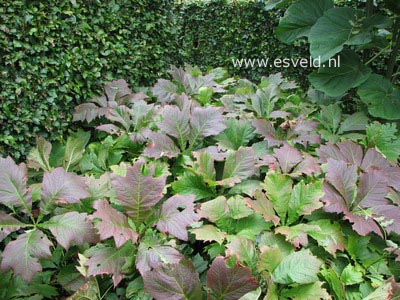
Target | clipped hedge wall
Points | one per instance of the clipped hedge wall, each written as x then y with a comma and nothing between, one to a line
55,54
214,32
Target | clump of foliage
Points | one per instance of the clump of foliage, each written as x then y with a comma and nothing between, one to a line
206,188
355,38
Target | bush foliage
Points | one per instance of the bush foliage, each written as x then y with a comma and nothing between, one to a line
206,188
55,54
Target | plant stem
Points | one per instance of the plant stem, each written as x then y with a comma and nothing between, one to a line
378,54
369,12
395,49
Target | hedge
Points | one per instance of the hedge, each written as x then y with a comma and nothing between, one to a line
213,33
56,54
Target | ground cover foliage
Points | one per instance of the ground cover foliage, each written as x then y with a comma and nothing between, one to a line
205,187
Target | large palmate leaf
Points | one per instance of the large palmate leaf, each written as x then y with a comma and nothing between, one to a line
23,254
160,145
353,194
13,191
151,254
209,233
304,200
330,236
176,214
334,81
176,122
192,184
243,248
287,157
263,205
229,283
278,189
108,260
138,193
177,281
239,164
337,27
75,148
237,134
300,131
71,227
8,224
307,292
206,122
113,224
299,18
38,157
382,98
298,267
385,138
60,186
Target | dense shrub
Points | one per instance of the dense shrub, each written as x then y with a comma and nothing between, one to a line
55,54
213,33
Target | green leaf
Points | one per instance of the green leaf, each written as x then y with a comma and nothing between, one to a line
215,209
299,18
335,81
239,164
330,236
297,235
351,275
279,189
382,98
209,233
204,165
178,281
75,148
269,258
23,254
338,26
304,200
385,138
299,267
237,134
307,292
238,208
263,205
244,249
39,157
192,184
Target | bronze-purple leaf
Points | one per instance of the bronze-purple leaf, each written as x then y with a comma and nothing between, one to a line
288,157
178,281
229,283
23,254
13,190
60,186
206,122
138,193
8,224
177,213
160,145
71,227
107,260
151,255
113,224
